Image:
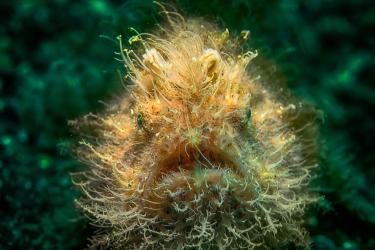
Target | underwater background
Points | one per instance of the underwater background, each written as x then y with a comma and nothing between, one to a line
57,63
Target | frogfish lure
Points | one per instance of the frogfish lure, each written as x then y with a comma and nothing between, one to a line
204,150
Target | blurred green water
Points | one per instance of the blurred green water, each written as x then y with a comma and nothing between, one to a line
57,63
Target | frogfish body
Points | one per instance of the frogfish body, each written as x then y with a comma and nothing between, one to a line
205,149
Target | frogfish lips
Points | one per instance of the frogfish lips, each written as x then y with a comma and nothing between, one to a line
196,175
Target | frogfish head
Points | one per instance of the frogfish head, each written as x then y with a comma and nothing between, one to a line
207,149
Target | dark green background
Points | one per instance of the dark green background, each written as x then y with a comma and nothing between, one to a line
57,63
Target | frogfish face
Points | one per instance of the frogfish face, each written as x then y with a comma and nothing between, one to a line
205,150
